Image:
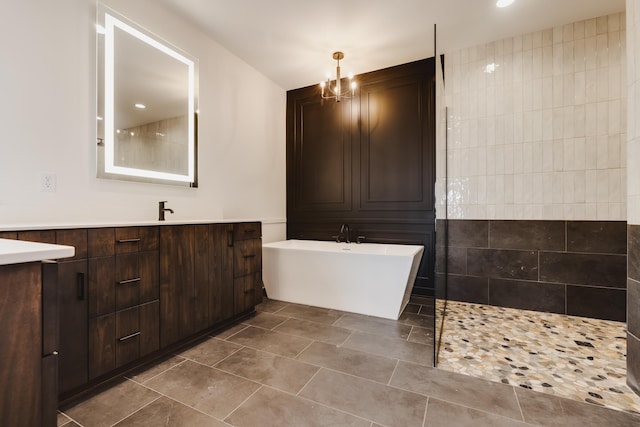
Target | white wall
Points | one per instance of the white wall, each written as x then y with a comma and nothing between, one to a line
543,136
47,116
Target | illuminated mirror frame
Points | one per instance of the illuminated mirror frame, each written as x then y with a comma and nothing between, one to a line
110,25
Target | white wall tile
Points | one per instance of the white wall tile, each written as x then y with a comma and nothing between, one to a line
545,135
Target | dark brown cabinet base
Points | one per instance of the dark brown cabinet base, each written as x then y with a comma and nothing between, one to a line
28,377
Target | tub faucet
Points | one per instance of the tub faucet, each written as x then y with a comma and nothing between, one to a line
162,210
344,228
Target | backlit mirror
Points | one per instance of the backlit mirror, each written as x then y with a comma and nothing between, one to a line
147,105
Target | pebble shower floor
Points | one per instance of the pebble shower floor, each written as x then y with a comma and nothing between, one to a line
574,357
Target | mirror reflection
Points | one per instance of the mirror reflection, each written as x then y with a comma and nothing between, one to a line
146,105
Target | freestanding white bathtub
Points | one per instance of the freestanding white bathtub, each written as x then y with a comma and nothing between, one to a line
367,278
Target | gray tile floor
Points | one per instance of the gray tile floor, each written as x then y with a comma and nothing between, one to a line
293,365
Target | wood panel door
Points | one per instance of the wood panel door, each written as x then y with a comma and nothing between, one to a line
177,278
73,317
20,345
221,297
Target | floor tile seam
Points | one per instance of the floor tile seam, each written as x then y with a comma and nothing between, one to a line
281,308
229,373
348,373
394,372
315,339
381,334
430,365
478,409
375,382
518,402
242,347
180,402
315,402
232,335
391,338
381,356
184,359
138,410
240,405
303,350
426,410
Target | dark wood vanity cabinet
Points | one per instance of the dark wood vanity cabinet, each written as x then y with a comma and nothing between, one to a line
247,266
28,345
209,273
123,297
132,291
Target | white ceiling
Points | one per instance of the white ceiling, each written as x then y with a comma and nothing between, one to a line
291,41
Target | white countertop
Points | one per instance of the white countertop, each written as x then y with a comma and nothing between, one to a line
17,251
102,224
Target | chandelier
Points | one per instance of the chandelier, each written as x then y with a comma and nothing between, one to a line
334,90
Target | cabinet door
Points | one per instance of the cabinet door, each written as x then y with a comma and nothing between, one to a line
102,338
200,297
20,344
101,286
221,297
176,282
148,263
72,300
149,328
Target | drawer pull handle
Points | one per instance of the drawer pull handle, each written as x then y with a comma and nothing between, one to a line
128,240
124,282
135,334
250,256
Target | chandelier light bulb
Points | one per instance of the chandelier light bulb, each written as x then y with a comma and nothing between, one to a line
335,88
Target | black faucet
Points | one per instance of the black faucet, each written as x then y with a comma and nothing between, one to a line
344,227
162,210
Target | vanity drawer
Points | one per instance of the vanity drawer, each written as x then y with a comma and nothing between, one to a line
127,281
134,239
119,338
137,332
246,230
247,257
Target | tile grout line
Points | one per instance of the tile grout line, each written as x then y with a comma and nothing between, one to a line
137,410
324,405
393,373
426,409
176,400
242,347
307,383
168,369
234,334
518,402
242,403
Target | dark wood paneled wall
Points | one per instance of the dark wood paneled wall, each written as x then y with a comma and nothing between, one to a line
368,162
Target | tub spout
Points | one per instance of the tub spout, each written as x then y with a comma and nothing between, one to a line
344,229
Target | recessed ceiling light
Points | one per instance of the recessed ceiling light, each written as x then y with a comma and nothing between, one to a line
141,106
504,3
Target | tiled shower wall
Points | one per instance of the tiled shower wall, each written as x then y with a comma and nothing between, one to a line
536,126
569,267
536,149
633,197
